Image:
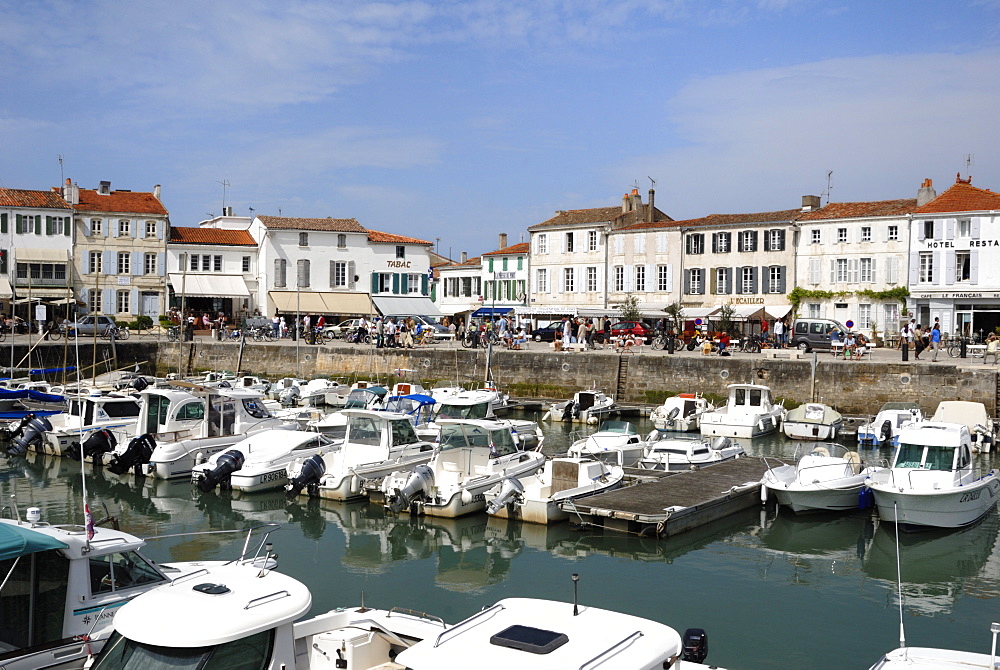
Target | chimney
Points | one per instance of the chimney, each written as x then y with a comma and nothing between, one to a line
465,257
625,203
156,191
652,195
503,241
810,203
71,192
926,193
636,201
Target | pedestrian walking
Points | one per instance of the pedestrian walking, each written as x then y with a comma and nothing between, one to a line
935,338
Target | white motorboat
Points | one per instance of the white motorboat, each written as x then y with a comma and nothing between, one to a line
750,412
982,428
86,415
812,421
260,462
915,658
932,482
473,455
675,454
480,404
537,498
585,407
444,389
884,428
366,397
62,587
376,444
681,413
824,477
616,442
234,613
419,407
181,427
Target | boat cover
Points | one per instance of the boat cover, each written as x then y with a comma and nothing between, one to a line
20,541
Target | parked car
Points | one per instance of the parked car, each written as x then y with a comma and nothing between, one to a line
548,333
439,331
87,325
809,334
340,330
637,328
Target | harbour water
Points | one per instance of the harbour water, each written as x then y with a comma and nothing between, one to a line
771,589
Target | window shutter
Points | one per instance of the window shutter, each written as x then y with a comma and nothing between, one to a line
949,267
814,271
852,270
833,271
950,232
738,280
423,284
85,297
489,263
48,225
106,227
687,282
873,277
109,306
333,274
38,225
159,230
713,279
938,229
715,244
161,263
914,267
753,240
68,227
395,282
19,223
350,275
974,228
134,301
108,265
116,225
767,240
375,283
278,281
138,265
753,277
3,223
3,261
920,231
781,246
973,266
782,271
739,241
670,278
134,228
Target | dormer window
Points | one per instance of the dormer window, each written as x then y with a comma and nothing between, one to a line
104,188
303,239
341,241
400,251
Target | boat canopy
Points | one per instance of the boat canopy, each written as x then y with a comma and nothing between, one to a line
20,541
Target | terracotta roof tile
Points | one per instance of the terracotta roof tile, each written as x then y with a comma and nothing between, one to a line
962,197
195,235
521,248
327,224
598,215
857,210
125,202
379,236
12,197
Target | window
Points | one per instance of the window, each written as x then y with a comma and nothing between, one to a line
619,278
568,276
662,278
866,233
413,283
864,316
41,271
151,229
339,274
890,321
841,235
591,240
303,239
963,265
722,243
245,266
149,264
382,282
543,243
840,272
400,251
591,279
124,263
926,267
775,240
302,273
280,273
775,279
341,241
696,243
56,225
216,263
194,263
542,280
96,227
866,267
124,227
893,233
814,311
965,227
569,242
96,261
122,301
815,236
928,230
722,281
94,302
747,240
746,280
696,281
640,277
206,263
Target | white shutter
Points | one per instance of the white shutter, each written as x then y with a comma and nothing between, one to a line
852,270
670,278
873,277
661,243
950,229
814,271
974,266
949,266
619,244
914,270
833,271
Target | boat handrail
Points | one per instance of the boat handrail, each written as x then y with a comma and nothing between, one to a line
415,613
763,460
249,531
634,636
256,602
184,578
462,624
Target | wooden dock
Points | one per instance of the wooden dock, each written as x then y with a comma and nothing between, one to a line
667,505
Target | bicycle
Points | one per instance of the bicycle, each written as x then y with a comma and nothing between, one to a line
750,344
116,333
57,333
261,334
173,333
358,337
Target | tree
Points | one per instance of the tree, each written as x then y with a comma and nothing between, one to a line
676,315
629,309
724,320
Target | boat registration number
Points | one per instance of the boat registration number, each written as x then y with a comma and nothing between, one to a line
271,476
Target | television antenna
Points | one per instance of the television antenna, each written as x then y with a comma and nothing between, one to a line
225,185
829,185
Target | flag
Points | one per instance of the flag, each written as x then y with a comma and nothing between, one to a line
89,520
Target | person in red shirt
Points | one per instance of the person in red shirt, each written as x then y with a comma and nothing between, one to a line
723,341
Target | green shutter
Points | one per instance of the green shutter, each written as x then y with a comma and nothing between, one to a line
423,284
67,228
395,282
3,223
38,225
520,262
3,261
48,225
490,268
374,283
19,224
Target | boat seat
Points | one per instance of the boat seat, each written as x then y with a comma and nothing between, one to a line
854,460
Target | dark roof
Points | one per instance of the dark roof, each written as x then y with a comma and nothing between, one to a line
857,210
599,215
781,216
13,197
124,202
327,224
962,197
193,235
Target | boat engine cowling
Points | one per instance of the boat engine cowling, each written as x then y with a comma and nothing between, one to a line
721,442
695,644
99,443
672,414
225,465
885,433
510,491
138,452
568,412
420,482
18,428
311,471
30,434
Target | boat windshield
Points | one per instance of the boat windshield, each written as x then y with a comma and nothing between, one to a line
119,571
359,399
364,430
458,435
623,427
935,458
477,410
248,653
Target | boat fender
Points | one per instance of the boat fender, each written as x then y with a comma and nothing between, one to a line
866,498
466,496
763,495
545,417
592,420
695,645
32,433
355,485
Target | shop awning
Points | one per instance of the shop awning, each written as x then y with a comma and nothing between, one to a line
322,302
209,286
544,311
41,255
37,294
6,293
745,312
388,306
777,311
492,311
688,313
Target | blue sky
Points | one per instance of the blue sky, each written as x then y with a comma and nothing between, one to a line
460,120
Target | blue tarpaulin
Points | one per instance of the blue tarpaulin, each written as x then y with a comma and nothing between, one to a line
491,311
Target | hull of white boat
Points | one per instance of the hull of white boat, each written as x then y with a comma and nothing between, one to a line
949,508
627,456
470,497
264,479
843,498
177,459
939,659
351,485
676,465
678,425
547,510
802,430
721,424
59,442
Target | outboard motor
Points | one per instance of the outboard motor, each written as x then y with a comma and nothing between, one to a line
421,480
695,644
510,491
312,470
721,442
18,428
885,433
99,443
672,414
289,397
567,414
225,465
30,434
137,453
